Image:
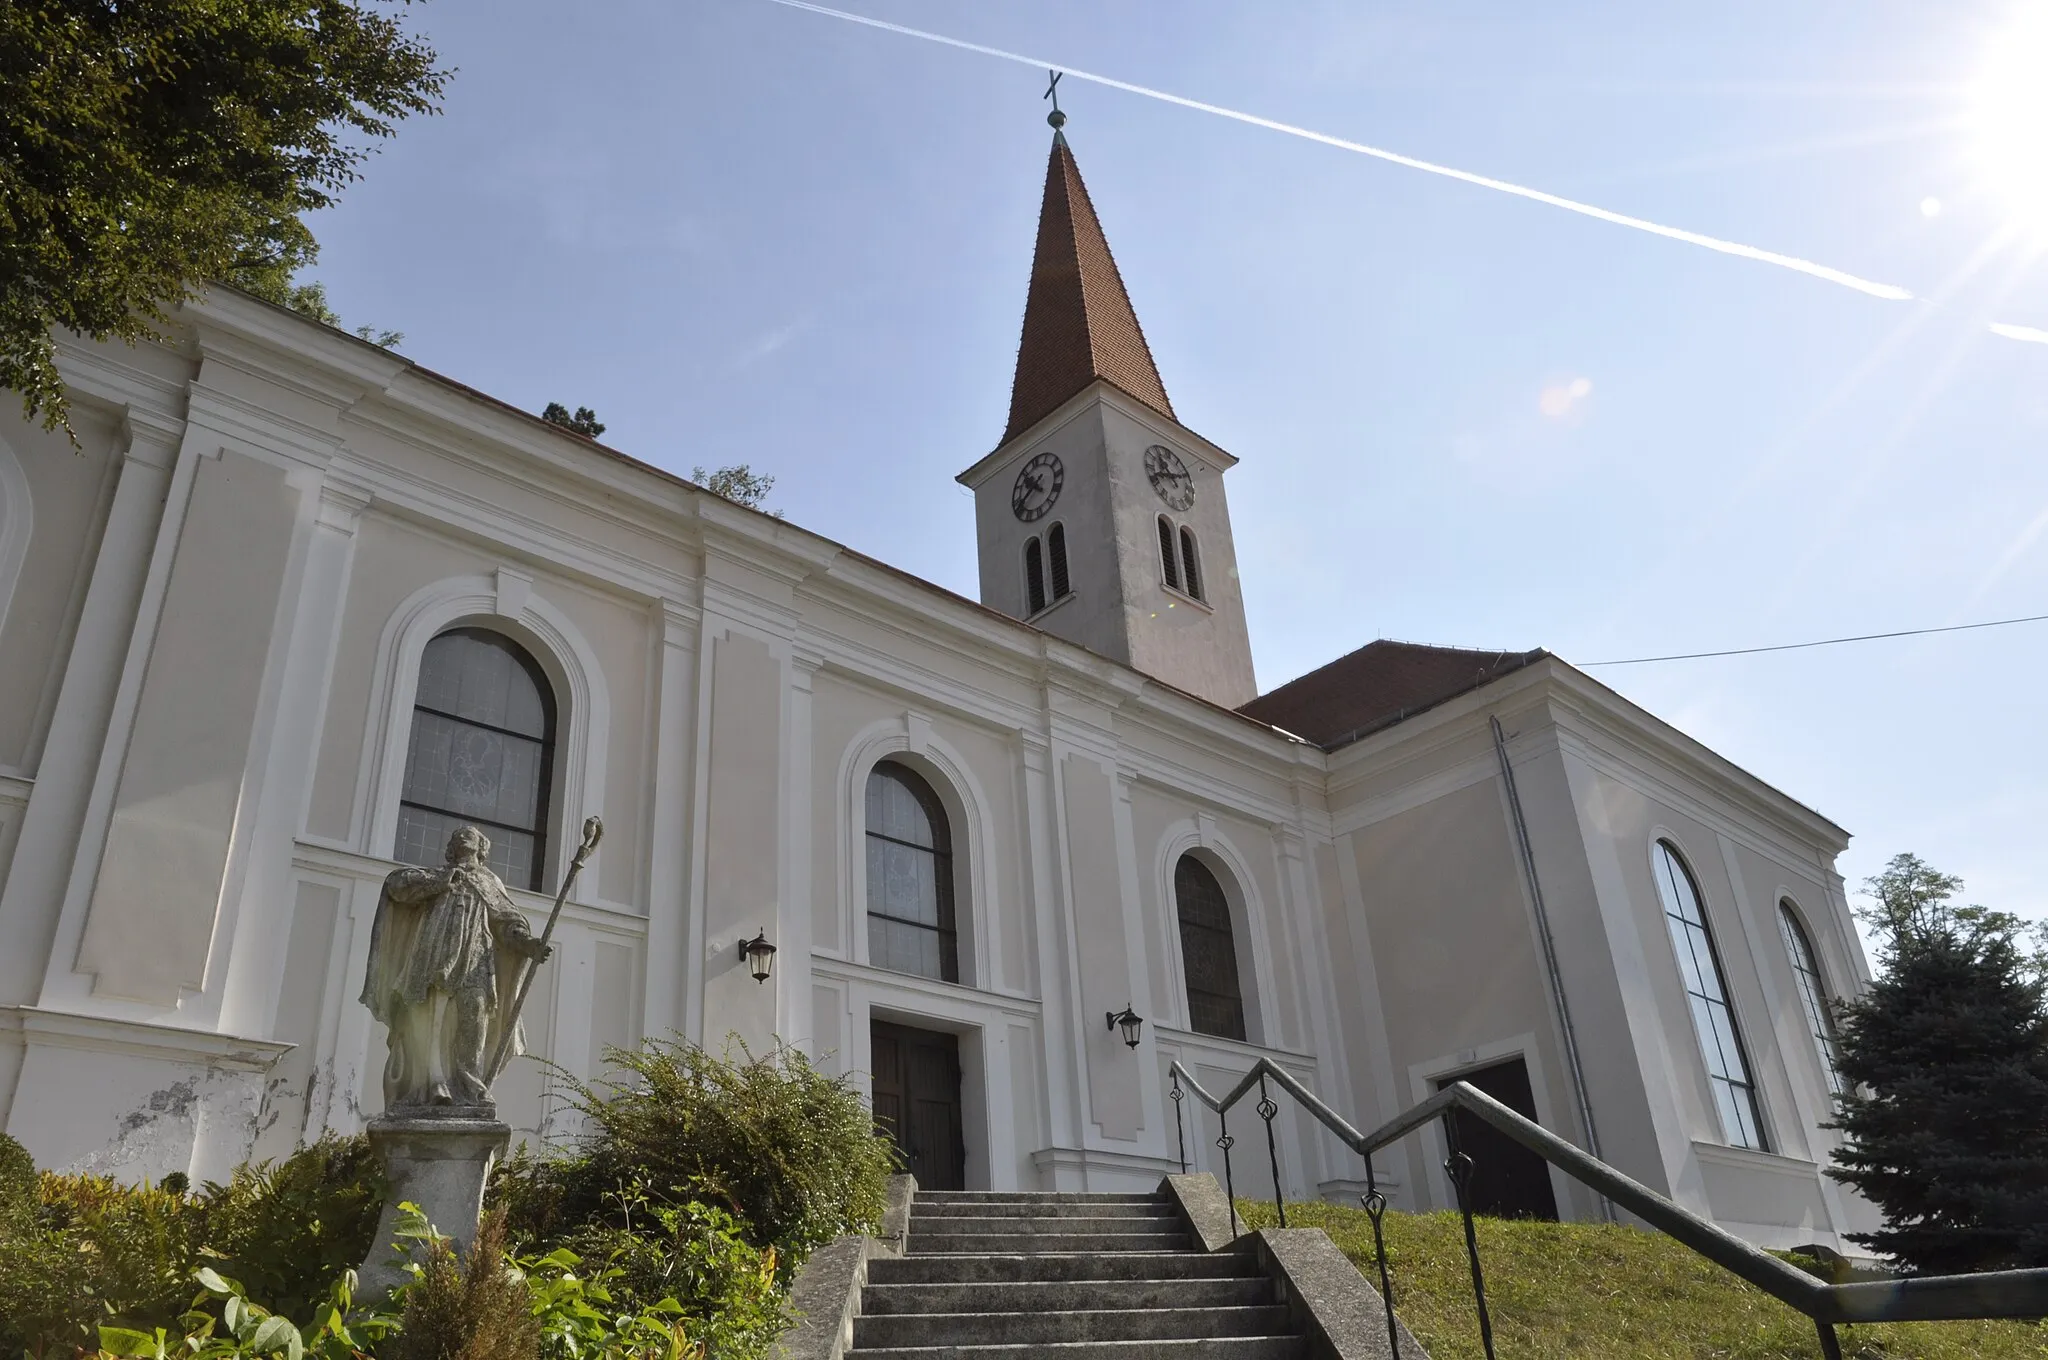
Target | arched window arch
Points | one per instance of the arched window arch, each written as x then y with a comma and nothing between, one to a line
1056,559
1034,576
1208,951
912,926
1169,556
1813,993
1190,564
482,751
1707,990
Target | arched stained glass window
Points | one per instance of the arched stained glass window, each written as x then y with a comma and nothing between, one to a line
1706,990
1056,555
1190,566
1813,993
1169,558
482,752
1208,951
1034,576
911,925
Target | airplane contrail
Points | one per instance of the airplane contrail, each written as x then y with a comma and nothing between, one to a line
2032,334
1889,291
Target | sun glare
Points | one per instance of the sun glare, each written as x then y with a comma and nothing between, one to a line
2009,115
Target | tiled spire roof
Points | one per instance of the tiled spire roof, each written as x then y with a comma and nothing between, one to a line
1078,322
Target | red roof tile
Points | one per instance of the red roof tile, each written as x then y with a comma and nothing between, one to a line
1377,686
1078,321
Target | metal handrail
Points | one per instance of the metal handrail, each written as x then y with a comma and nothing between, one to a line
1925,1298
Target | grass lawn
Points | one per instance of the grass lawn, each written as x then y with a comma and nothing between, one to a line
1597,1292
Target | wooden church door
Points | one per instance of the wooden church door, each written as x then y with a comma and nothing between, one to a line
917,1102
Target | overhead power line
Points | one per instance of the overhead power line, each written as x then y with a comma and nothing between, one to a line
1820,642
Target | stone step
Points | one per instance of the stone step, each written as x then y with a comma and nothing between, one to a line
1207,1348
957,1268
1036,1296
922,1210
1033,1197
1015,1243
984,1225
1012,1329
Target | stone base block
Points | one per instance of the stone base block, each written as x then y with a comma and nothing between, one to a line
440,1164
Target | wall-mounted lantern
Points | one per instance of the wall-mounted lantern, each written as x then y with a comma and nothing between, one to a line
1128,1021
758,955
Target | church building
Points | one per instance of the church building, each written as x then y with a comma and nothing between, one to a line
296,608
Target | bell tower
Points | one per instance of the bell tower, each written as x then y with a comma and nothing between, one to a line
1101,518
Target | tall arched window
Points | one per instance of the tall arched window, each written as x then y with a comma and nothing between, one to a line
1169,558
1208,951
1813,993
1190,566
1034,576
1707,989
911,925
1056,556
482,751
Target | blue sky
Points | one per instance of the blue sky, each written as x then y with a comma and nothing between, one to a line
747,233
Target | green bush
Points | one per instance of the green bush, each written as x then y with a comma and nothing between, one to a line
791,1153
288,1230
475,1309
79,1250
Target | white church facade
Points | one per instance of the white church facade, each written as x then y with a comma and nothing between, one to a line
296,607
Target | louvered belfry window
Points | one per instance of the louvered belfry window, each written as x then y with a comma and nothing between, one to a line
1034,576
1169,559
1208,951
482,753
1706,987
1056,552
911,925
1190,568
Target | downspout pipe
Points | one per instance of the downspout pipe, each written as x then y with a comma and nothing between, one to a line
1557,996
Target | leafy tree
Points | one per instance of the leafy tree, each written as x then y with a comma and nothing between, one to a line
738,483
1947,1054
584,422
149,146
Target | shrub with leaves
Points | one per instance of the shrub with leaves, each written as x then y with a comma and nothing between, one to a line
478,1308
791,1153
288,1230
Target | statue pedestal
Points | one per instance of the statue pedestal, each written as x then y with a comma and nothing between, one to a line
439,1162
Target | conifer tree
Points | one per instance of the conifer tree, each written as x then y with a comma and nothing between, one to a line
1946,1121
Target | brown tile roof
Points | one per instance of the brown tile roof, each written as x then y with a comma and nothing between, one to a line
1078,322
1377,686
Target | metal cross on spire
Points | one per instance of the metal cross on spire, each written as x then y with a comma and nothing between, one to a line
1052,92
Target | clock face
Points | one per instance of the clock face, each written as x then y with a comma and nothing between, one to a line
1169,477
1038,486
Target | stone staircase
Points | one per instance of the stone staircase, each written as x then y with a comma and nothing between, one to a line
993,1275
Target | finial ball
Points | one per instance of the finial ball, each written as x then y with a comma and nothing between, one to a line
1057,119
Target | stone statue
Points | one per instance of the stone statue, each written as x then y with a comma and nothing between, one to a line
447,951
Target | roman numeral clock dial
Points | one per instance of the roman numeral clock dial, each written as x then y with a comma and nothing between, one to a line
1037,487
1169,477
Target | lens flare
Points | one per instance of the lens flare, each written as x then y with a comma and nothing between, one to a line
2009,115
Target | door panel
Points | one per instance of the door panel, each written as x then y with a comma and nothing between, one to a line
917,1102
1508,1180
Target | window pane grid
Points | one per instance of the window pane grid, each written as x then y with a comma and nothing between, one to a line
1208,952
910,878
1812,994
481,752
1734,1092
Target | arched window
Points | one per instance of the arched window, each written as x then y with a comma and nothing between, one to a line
482,751
1813,993
1056,552
1707,989
1169,559
1190,567
911,926
1207,949
1034,576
